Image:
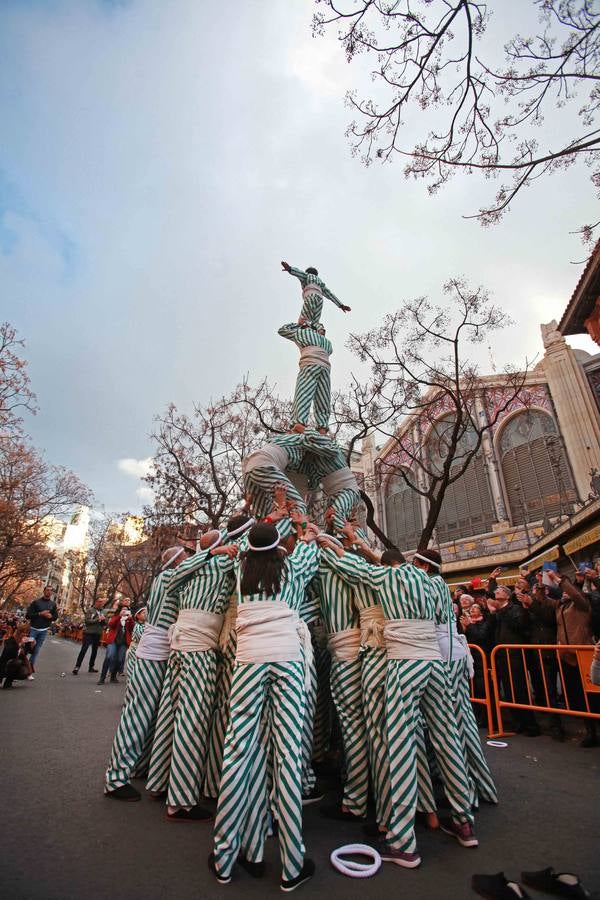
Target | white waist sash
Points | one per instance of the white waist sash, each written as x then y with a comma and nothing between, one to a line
372,622
339,481
269,631
344,646
228,622
154,644
311,288
411,639
314,356
195,630
268,455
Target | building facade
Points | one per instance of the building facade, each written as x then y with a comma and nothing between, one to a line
536,470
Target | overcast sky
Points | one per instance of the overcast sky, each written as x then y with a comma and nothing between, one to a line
159,159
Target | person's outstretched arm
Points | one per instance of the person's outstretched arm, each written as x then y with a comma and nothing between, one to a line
297,273
331,296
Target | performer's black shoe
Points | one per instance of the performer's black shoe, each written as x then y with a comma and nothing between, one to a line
126,792
256,869
195,814
308,870
336,812
222,879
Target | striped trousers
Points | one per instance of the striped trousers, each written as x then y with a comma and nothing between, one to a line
313,387
312,307
178,759
346,691
343,503
135,731
308,727
413,686
220,718
323,710
254,685
259,484
373,670
468,733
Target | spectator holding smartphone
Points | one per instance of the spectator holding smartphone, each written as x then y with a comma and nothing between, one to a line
120,628
573,614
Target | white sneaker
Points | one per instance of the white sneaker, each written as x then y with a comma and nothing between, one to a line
31,678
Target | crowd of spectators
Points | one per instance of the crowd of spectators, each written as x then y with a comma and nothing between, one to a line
541,607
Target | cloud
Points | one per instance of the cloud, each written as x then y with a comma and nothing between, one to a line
137,468
146,494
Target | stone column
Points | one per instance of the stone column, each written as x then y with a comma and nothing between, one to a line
417,441
575,407
491,463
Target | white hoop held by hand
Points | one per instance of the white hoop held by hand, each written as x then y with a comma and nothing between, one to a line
355,869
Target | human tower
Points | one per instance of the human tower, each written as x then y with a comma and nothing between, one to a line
277,627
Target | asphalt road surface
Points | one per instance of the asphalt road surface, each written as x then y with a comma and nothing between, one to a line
62,840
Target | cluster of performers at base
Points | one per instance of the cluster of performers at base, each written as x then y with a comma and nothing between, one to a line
274,630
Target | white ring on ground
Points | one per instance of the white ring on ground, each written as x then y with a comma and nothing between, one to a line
496,743
355,869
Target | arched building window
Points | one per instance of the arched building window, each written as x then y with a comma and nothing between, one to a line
468,507
402,513
536,473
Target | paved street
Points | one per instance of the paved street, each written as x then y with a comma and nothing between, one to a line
62,840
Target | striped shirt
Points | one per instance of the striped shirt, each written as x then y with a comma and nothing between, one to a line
298,569
206,589
442,599
138,630
337,598
305,337
405,592
307,278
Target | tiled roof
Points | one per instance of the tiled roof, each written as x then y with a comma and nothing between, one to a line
584,296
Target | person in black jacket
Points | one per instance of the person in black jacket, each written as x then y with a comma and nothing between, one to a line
41,613
92,632
512,625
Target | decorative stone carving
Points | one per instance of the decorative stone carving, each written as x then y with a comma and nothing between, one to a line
551,335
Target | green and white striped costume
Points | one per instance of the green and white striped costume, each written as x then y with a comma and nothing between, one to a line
313,291
280,686
228,644
331,469
138,630
264,468
340,615
313,384
373,670
480,777
412,685
179,750
135,731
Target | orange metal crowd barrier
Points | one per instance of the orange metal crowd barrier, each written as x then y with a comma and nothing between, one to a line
520,673
487,699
